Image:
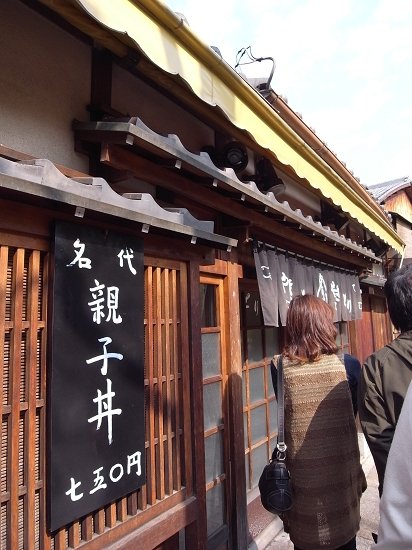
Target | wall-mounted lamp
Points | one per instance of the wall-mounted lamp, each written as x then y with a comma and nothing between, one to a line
277,189
267,179
234,155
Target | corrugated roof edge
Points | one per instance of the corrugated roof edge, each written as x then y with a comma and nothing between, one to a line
41,178
172,145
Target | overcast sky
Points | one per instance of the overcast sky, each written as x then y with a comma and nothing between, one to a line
344,65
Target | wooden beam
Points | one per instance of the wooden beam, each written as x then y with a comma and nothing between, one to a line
197,534
240,530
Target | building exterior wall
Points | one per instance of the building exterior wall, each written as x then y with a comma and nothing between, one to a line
162,114
400,204
404,230
44,85
210,408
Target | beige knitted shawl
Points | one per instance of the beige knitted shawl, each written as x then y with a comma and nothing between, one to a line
322,455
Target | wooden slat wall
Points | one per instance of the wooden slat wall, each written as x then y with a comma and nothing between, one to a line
374,330
400,204
23,286
23,293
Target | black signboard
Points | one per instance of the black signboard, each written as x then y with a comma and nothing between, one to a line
96,377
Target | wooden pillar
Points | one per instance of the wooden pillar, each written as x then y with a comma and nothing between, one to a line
237,445
196,533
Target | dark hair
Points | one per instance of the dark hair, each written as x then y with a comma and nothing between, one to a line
398,292
310,329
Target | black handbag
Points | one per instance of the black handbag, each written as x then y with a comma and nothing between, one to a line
275,483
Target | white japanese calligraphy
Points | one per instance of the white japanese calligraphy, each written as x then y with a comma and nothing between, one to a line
127,255
114,478
113,304
266,272
98,481
322,289
82,262
106,340
287,285
72,491
135,460
116,472
98,304
334,287
104,408
347,302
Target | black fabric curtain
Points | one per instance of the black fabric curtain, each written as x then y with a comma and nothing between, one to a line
267,277
281,276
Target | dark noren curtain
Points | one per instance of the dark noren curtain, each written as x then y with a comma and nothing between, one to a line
282,276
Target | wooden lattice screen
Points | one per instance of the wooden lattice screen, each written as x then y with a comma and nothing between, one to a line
23,292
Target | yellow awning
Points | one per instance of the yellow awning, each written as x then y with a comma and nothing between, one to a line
153,29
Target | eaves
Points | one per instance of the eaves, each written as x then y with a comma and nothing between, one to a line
135,135
153,30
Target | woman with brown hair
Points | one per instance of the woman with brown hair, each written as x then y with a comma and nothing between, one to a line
320,433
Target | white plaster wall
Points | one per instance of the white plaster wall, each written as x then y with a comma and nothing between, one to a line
44,84
133,97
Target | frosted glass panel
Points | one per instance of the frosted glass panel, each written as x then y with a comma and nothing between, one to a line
247,460
260,458
243,352
273,419
212,405
272,341
245,430
214,507
210,354
213,456
258,424
270,389
344,333
254,345
244,387
208,305
256,384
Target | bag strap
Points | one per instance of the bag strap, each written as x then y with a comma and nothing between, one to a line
281,446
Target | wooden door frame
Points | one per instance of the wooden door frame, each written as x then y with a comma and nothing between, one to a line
231,272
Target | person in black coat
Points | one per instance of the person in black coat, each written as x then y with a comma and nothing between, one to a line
353,372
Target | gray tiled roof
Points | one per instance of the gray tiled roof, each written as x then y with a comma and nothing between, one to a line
381,191
40,178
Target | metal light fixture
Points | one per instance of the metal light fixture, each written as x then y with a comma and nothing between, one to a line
267,179
234,155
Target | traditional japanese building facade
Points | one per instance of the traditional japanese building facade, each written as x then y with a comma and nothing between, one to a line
139,173
395,197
